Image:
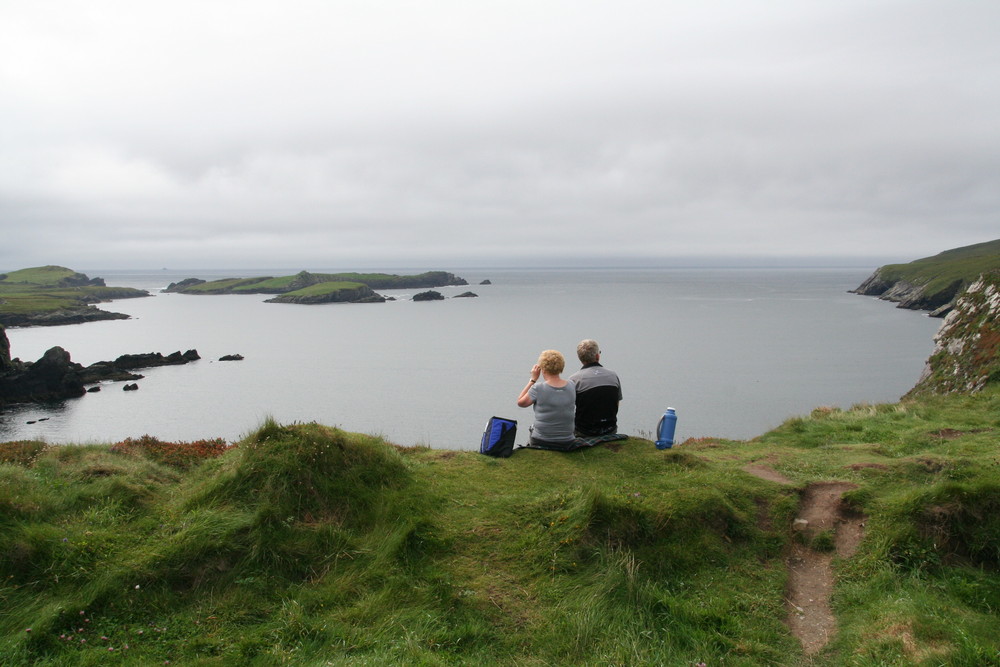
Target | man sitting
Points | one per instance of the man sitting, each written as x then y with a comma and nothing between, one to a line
598,391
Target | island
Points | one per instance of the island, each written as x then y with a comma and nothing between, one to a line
313,288
54,295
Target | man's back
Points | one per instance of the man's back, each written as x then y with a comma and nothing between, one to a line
598,391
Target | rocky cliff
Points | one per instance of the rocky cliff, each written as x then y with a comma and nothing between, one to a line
966,353
912,295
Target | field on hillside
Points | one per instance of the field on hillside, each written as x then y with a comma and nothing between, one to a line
302,544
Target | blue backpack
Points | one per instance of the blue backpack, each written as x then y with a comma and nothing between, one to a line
498,437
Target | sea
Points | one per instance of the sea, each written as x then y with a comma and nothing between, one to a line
735,351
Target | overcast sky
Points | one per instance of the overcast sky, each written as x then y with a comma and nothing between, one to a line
348,134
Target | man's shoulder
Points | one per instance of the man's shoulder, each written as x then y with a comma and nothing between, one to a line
595,374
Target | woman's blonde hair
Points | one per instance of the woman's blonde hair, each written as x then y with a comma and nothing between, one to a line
552,362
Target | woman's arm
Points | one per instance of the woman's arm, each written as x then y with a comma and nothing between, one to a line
523,399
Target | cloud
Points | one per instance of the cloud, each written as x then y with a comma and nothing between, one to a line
385,131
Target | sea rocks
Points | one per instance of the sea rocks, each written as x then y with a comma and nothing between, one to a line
153,359
429,295
231,357
52,377
130,387
465,295
330,293
56,376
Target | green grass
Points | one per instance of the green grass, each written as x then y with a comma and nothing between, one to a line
304,544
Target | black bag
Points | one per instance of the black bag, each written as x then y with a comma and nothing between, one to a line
498,437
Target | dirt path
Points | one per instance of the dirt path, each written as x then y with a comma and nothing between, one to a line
810,571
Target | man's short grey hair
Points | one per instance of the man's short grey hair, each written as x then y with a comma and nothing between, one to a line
587,350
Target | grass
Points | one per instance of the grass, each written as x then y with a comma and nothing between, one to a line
304,544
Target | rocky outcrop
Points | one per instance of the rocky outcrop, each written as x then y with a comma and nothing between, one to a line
430,295
465,295
910,295
966,353
52,377
5,364
56,376
353,294
52,318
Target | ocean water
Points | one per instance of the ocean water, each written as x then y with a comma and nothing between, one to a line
734,351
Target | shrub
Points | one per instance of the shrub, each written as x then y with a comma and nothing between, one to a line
178,454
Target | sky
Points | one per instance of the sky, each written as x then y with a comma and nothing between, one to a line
340,134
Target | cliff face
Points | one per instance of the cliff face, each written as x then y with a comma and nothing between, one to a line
966,353
912,295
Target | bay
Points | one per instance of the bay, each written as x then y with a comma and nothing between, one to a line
734,351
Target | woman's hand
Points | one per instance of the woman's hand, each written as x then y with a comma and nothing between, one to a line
536,372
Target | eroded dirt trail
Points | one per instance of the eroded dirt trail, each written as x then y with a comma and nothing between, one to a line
810,571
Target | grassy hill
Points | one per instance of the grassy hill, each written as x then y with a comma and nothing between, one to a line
933,282
303,544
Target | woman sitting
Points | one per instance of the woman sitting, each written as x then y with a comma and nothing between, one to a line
554,401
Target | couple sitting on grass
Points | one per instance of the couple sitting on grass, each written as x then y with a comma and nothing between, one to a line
579,411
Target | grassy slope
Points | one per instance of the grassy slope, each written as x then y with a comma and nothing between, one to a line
944,269
306,545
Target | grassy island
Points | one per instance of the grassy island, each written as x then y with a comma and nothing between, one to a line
52,295
306,287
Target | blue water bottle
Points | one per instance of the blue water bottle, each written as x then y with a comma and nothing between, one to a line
665,429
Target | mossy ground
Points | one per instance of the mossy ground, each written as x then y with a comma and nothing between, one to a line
307,545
